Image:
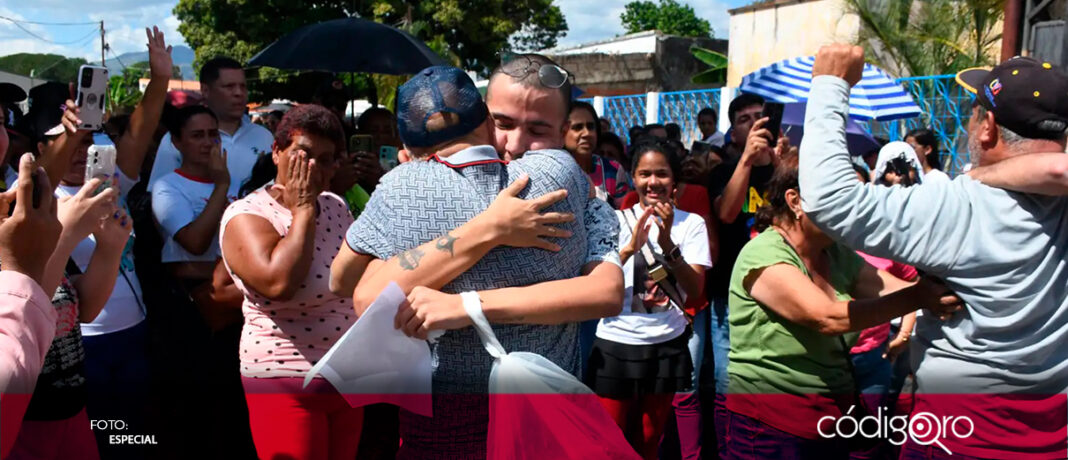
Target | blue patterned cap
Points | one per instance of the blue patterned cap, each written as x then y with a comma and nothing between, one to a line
438,90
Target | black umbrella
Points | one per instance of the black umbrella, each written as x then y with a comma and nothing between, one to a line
349,45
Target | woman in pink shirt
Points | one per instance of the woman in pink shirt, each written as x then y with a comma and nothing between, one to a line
278,243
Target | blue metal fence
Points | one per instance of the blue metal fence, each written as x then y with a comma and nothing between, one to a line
681,107
623,112
946,108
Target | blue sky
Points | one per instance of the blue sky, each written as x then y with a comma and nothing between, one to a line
124,20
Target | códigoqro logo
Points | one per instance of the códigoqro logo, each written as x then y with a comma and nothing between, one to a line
923,428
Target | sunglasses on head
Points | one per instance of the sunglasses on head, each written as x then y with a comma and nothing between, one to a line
549,75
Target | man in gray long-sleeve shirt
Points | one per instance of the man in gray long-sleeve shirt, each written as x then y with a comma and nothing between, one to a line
1002,363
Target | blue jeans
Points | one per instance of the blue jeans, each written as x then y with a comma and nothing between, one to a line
117,380
719,333
749,438
872,376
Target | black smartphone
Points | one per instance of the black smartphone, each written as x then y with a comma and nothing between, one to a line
773,111
361,143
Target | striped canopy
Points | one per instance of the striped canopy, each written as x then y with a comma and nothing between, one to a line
876,97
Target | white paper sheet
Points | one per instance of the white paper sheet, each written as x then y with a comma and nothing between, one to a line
376,363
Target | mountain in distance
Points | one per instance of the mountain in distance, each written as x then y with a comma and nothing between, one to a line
181,55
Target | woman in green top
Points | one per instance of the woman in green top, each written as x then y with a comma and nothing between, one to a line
793,319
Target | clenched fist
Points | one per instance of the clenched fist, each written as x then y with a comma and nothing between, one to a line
840,60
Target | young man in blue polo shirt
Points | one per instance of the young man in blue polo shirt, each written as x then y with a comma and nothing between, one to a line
451,221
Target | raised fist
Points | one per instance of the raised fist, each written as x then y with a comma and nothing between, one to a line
840,60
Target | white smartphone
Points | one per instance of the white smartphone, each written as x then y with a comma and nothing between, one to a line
100,162
92,94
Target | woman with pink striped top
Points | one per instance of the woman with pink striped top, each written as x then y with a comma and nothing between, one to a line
278,243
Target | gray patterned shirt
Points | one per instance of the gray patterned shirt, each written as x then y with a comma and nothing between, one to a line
419,201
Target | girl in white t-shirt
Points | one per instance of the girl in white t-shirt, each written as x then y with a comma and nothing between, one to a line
640,358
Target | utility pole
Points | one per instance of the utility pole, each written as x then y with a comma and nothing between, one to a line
103,45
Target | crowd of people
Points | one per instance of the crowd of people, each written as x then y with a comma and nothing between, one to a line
720,299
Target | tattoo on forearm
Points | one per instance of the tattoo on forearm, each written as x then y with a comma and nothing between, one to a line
445,243
409,260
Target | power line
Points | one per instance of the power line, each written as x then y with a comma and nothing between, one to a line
49,23
116,56
33,34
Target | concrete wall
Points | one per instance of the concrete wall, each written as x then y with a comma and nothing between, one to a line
669,69
765,36
611,74
675,64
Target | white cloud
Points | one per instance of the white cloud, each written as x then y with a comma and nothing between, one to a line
591,21
124,23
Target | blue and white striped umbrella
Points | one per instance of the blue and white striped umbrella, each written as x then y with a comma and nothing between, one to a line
876,96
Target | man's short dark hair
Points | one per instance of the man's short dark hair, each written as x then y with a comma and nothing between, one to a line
743,101
530,78
674,131
209,72
708,112
369,114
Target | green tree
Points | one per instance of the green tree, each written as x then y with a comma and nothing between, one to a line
44,66
928,37
667,16
470,33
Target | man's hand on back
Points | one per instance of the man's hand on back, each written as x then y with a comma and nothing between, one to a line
840,60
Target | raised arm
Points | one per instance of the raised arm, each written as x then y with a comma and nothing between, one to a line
509,221
1038,173
95,285
80,216
729,204
133,146
922,226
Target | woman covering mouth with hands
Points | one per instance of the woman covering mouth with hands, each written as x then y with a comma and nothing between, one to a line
640,358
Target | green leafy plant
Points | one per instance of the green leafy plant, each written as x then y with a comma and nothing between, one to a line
717,66
928,37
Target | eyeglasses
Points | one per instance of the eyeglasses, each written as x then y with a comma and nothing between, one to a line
549,75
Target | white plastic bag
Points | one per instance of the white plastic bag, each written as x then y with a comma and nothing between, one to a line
538,410
375,363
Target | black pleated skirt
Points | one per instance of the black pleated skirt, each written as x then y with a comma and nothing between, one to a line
620,371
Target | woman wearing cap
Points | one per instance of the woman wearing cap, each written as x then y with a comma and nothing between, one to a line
640,358
278,243
792,310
